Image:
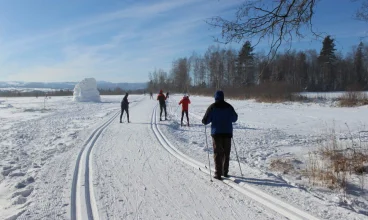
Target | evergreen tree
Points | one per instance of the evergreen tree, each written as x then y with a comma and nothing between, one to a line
359,65
245,65
327,62
327,53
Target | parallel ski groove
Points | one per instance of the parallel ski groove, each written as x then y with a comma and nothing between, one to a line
73,211
91,206
87,187
265,199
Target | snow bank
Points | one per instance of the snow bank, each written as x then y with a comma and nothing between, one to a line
86,91
38,145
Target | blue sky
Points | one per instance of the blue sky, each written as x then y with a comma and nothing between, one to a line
123,40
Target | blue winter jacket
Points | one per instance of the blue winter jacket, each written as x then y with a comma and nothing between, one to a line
221,115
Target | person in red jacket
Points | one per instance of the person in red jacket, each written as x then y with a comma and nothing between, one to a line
185,106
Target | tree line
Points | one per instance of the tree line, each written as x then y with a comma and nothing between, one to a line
17,93
61,92
226,68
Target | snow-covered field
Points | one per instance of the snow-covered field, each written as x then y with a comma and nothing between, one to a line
325,95
41,144
135,175
16,89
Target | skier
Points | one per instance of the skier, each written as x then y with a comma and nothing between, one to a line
185,106
167,95
125,107
151,95
221,115
162,100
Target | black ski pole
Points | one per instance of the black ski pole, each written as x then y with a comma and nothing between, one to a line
208,152
236,152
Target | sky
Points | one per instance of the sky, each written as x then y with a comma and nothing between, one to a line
124,40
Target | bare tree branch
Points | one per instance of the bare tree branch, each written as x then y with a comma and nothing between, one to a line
362,12
277,21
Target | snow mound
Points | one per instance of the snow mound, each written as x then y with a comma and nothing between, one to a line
86,91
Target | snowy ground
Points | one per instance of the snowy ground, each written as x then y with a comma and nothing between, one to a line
265,132
135,177
28,89
325,95
41,144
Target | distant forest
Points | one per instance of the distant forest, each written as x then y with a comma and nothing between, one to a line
61,92
230,69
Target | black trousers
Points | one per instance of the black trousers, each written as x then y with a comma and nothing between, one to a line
163,107
221,154
122,112
186,114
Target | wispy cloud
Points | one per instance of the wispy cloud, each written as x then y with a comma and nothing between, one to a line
88,26
123,45
126,43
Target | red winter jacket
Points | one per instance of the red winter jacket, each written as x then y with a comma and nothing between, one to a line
185,101
161,98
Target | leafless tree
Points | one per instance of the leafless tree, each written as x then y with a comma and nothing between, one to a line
276,21
216,63
158,79
362,12
230,67
180,74
194,67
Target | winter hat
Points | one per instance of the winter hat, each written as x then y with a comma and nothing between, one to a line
219,95
161,91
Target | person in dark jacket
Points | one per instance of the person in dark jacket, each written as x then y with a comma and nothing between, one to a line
124,107
221,115
185,107
162,100
167,95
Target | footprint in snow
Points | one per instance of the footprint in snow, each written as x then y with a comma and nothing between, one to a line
20,200
6,172
24,193
17,174
24,183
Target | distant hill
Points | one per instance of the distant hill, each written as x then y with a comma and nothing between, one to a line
70,85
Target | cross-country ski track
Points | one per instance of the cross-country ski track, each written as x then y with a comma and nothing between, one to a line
132,171
78,207
275,204
81,188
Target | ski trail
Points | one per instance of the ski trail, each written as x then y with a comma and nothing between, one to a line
76,206
273,203
136,178
87,207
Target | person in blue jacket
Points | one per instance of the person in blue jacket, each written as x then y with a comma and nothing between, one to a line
221,115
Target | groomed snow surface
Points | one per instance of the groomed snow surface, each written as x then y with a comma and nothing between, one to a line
63,154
